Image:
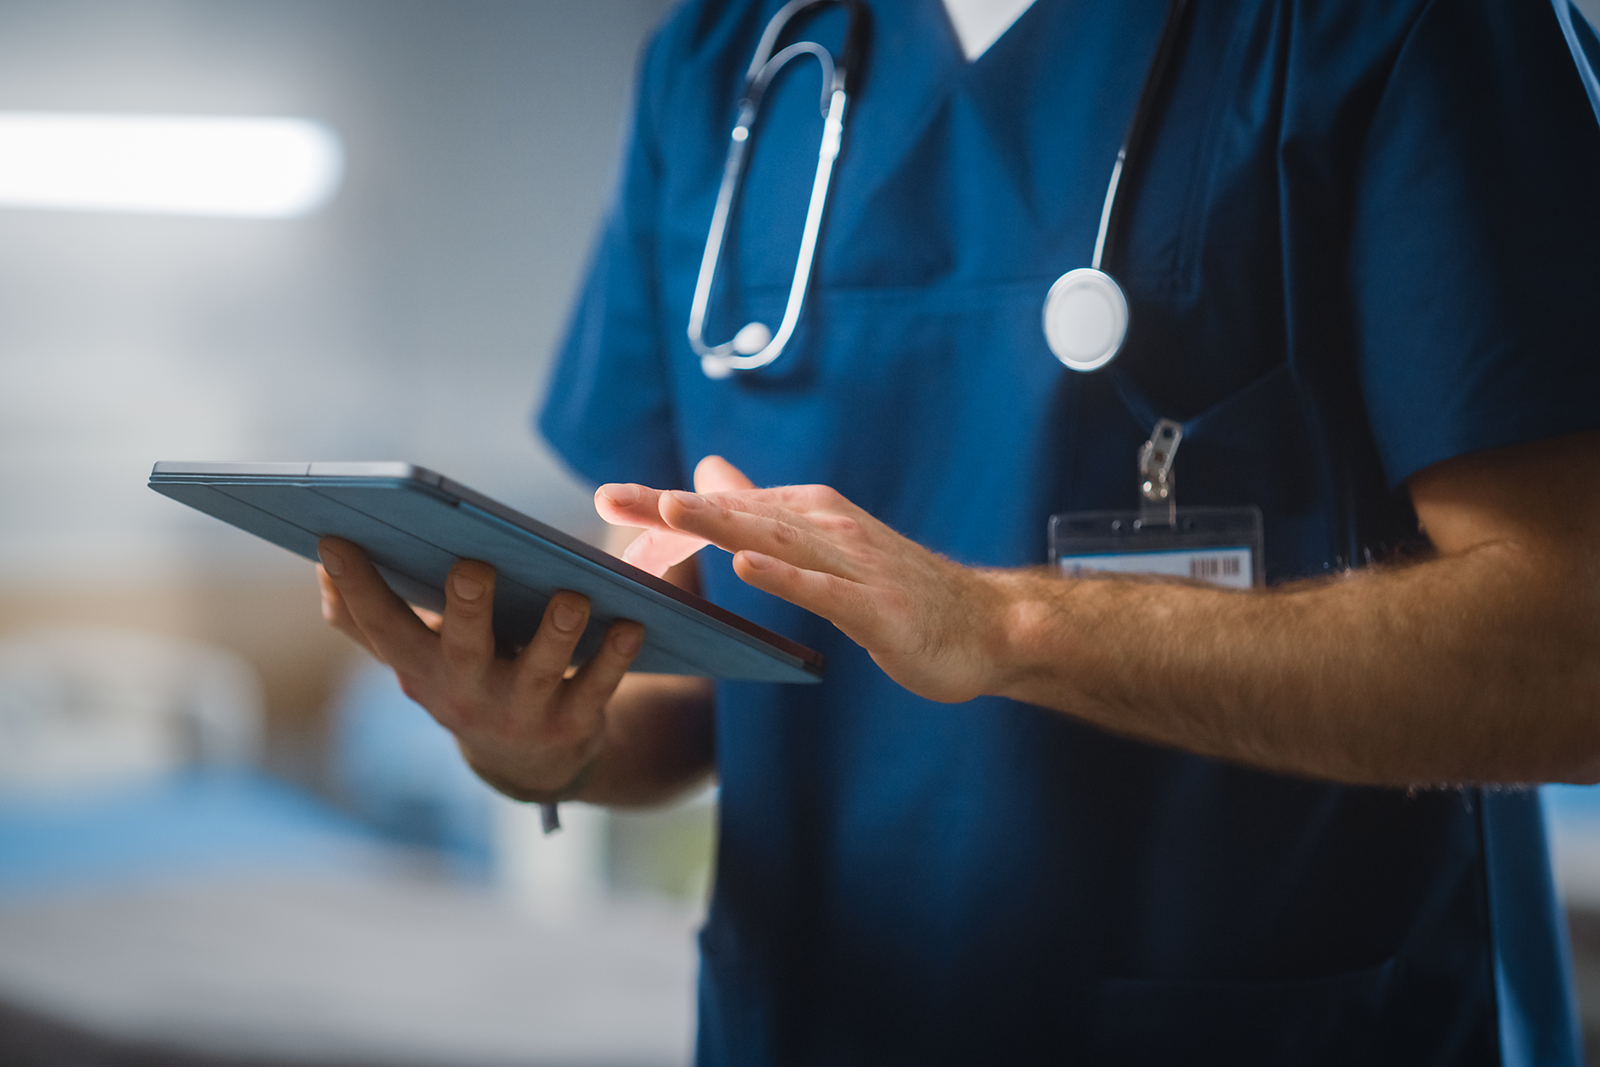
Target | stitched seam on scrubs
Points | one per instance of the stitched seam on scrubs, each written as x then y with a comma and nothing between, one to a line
949,289
1455,446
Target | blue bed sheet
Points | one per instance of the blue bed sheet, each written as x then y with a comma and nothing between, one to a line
195,823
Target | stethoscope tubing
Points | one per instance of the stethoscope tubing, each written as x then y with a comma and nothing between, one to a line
1085,316
754,346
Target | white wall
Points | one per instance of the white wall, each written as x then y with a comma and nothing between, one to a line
410,319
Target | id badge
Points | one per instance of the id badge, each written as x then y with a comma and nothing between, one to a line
1223,546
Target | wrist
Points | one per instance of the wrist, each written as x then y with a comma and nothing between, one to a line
1029,631
1007,612
572,789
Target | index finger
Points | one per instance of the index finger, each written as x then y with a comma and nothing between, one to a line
736,523
639,506
629,504
392,630
337,615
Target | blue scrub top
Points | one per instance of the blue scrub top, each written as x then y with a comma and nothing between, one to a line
1359,240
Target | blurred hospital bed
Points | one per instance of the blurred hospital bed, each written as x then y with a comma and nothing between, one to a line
162,901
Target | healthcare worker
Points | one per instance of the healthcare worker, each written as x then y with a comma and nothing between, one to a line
1034,818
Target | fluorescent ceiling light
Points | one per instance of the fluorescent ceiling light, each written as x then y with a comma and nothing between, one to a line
261,168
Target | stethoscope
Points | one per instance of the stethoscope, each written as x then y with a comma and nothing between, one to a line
1085,312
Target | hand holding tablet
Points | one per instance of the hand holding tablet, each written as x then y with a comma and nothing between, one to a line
530,723
415,525
527,725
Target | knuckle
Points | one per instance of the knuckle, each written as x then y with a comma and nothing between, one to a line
458,708
847,525
460,654
591,689
545,675
864,562
464,610
411,684
823,495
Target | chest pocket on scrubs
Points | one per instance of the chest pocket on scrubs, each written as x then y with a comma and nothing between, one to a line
1201,249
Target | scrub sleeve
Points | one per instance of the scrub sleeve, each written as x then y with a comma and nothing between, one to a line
1476,240
608,409
1474,267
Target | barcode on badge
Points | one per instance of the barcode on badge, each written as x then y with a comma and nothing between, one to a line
1229,566
1214,568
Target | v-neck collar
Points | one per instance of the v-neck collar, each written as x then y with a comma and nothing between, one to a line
918,88
980,23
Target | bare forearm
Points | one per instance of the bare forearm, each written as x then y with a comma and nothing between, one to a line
1468,668
1481,665
659,742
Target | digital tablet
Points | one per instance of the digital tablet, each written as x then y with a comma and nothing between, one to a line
416,525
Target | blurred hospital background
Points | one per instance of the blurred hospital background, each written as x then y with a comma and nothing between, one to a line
224,838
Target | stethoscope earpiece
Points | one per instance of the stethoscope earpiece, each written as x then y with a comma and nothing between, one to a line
1085,319
752,339
748,342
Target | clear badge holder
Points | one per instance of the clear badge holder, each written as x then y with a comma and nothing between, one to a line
1222,546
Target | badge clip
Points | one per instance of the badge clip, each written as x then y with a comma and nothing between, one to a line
1158,491
1219,545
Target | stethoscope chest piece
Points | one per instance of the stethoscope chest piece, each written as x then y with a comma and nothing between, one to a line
1085,319
1085,312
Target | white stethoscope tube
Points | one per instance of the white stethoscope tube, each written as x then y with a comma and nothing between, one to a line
1085,312
755,345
